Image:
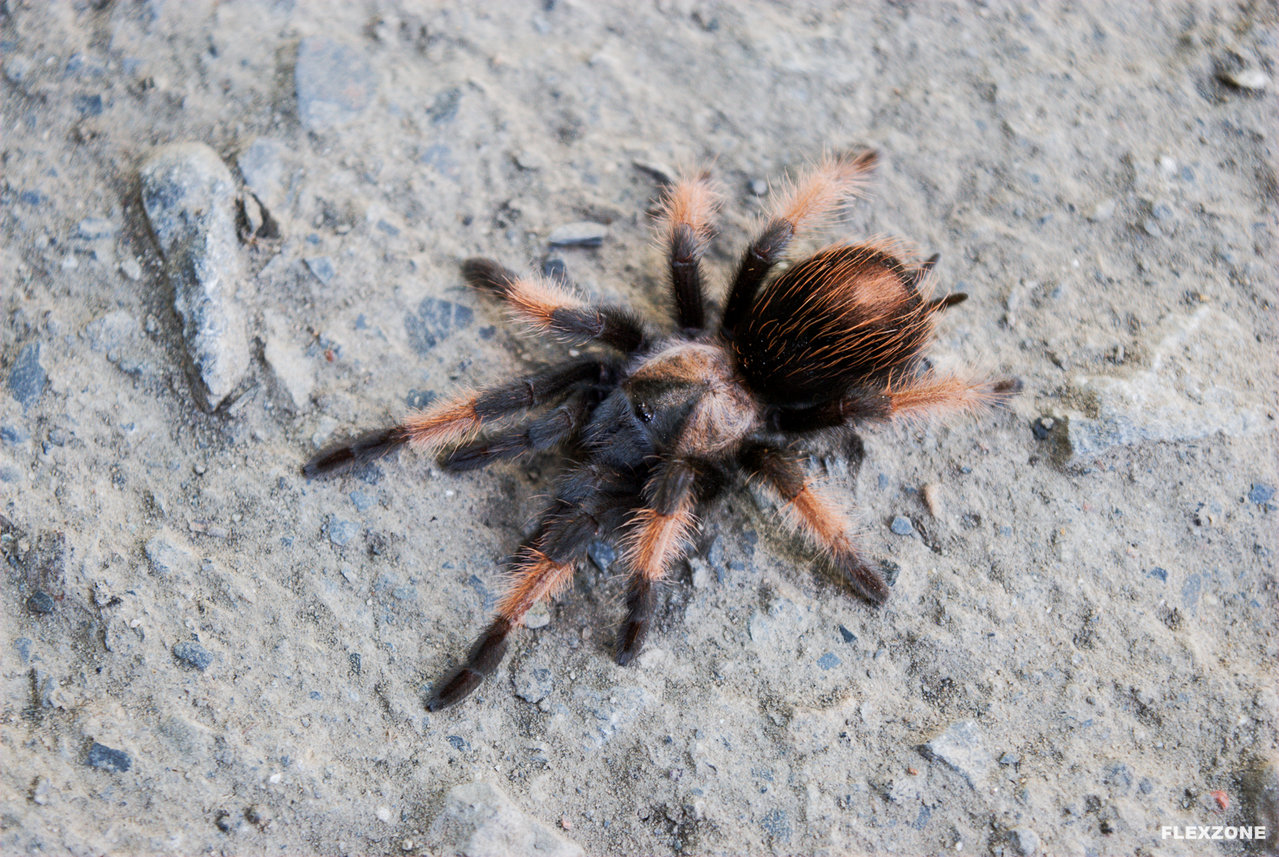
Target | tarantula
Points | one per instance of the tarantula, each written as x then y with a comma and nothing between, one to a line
652,428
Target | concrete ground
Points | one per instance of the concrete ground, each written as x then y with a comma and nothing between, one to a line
203,652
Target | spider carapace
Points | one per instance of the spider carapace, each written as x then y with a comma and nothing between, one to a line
652,424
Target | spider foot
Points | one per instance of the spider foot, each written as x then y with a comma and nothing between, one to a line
485,656
363,449
863,580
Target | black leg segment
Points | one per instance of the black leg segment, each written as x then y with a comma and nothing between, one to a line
764,252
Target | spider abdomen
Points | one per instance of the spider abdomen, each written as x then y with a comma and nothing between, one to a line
842,318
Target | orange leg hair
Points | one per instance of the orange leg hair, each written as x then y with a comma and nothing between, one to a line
590,500
937,395
658,537
816,515
534,576
453,419
549,307
685,221
812,200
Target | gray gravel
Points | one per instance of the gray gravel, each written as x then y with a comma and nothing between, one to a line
1079,645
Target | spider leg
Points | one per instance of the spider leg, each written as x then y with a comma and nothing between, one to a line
933,394
658,537
536,576
811,200
546,432
913,397
686,217
455,418
816,515
549,306
591,500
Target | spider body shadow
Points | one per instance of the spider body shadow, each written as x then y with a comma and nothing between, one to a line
652,423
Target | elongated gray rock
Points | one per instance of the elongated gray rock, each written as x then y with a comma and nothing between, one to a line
189,198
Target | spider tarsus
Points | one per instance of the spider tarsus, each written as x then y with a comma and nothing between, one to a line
863,159
949,301
488,275
455,689
640,602
1006,388
365,448
485,656
867,583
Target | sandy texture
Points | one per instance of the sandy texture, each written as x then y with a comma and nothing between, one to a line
201,652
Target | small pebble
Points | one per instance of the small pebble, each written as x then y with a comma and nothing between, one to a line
130,267
1261,493
188,194
829,661
533,684
758,187
223,821
902,526
539,616
702,574
17,69
1102,211
1024,841
1251,79
849,636
40,603
434,321
94,228
321,267
14,435
1042,428
581,234
602,555
192,654
102,756
657,170
26,375
529,159
341,532
962,746
931,493
41,792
